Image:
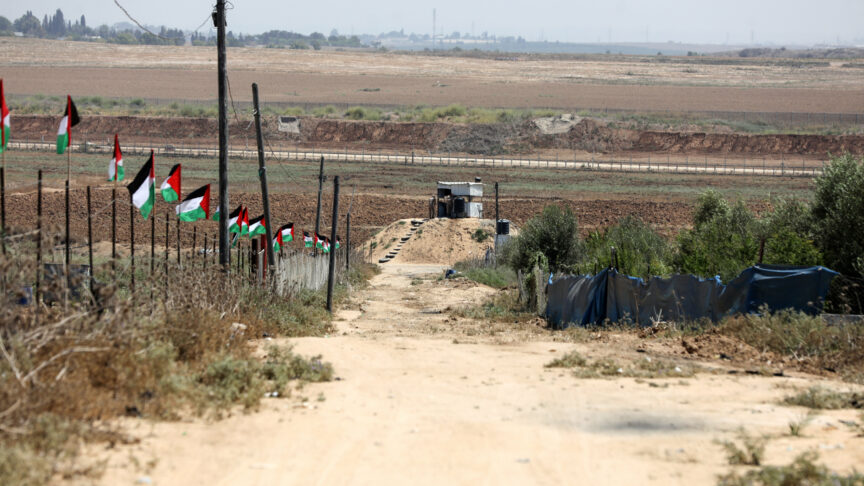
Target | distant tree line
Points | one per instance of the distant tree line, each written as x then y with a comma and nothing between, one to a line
58,26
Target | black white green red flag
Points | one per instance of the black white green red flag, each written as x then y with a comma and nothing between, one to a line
196,205
277,242
325,245
319,241
171,187
4,119
233,219
70,119
287,232
115,169
337,245
257,226
244,222
142,188
307,240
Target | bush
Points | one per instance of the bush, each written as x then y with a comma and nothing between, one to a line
550,239
641,251
838,213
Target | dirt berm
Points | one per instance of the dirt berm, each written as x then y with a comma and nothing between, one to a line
488,139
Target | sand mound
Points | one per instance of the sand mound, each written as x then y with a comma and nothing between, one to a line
437,241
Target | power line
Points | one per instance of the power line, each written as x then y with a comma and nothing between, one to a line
138,23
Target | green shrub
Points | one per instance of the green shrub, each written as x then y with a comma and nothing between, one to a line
641,251
550,239
838,213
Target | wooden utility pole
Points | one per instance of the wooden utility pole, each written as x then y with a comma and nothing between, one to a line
219,20
67,263
114,230
39,241
132,245
3,200
262,174
333,227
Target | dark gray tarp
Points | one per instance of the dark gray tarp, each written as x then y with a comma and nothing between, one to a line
613,297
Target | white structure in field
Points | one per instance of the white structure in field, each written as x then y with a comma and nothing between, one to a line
458,199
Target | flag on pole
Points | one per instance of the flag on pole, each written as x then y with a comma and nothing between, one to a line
325,245
70,119
337,245
4,119
233,219
277,242
319,241
257,226
171,187
244,223
307,240
142,188
196,205
115,169
287,232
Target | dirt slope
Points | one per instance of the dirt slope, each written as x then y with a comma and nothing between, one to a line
586,135
423,398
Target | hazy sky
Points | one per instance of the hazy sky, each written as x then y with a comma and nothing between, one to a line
698,21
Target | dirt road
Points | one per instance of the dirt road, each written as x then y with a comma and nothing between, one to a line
424,398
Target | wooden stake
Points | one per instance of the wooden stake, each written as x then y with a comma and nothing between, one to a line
114,231
262,174
132,245
39,241
3,201
66,262
178,244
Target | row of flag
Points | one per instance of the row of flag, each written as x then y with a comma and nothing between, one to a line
193,207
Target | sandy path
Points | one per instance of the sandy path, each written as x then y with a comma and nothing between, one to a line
413,405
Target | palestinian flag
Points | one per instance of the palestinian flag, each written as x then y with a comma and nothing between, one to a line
319,241
233,219
287,232
307,240
70,119
4,119
244,222
278,242
257,226
115,169
325,245
142,188
337,245
171,187
196,205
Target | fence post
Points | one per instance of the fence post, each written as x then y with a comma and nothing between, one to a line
3,203
39,241
132,245
90,240
348,240
179,262
67,265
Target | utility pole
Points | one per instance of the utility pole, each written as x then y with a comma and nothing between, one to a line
262,174
219,20
334,226
320,185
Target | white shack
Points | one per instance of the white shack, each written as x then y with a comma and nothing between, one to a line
460,199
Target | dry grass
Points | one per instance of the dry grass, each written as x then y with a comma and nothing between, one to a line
158,352
645,367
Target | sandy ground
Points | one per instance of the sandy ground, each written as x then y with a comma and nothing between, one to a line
419,402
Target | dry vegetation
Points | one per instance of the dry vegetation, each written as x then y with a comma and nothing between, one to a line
186,345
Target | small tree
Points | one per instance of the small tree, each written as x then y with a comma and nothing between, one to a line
641,251
551,238
838,213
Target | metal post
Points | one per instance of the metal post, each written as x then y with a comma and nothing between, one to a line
39,241
3,201
333,227
219,19
66,259
348,241
114,231
90,239
132,244
179,263
262,174
496,203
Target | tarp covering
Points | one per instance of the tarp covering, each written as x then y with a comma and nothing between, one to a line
613,297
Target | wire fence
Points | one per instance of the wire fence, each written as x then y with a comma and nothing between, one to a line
659,163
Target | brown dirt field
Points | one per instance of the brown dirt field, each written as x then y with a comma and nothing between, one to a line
587,135
32,66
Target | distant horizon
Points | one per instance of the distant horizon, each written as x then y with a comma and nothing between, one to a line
738,23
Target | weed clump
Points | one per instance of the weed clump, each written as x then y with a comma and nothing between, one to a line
802,471
819,398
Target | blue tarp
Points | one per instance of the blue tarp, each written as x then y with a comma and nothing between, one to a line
611,296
